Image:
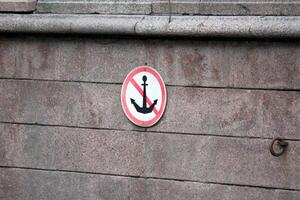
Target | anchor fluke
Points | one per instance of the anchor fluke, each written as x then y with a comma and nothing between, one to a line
138,109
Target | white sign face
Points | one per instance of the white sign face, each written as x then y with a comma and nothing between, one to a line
143,96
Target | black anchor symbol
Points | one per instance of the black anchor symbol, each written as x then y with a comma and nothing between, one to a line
144,109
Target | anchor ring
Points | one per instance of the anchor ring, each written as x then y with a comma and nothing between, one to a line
283,144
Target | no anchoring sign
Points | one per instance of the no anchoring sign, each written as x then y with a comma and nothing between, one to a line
143,96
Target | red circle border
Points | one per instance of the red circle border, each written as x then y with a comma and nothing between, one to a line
161,110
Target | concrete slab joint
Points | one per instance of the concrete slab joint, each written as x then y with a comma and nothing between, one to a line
17,5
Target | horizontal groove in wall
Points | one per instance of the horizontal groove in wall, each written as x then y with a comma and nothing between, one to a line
150,132
169,85
144,177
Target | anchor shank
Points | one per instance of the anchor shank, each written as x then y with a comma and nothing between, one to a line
144,96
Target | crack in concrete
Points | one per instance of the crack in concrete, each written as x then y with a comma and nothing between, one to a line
135,25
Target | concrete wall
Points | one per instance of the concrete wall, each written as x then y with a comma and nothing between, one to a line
63,134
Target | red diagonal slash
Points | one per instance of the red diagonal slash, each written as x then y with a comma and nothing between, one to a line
139,89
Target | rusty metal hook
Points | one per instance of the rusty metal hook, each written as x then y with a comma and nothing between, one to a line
283,144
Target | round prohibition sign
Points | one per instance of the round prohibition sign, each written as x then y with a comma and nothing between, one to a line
143,96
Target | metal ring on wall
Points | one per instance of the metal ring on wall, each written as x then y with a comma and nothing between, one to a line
283,144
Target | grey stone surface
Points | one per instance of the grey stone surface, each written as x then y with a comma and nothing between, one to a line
17,5
34,184
143,25
175,8
226,160
49,23
94,7
237,8
221,26
189,110
240,64
179,7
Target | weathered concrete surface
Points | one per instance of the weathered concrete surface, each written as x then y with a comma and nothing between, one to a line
51,23
219,26
148,26
201,111
199,158
17,5
210,7
34,184
231,7
180,62
100,7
